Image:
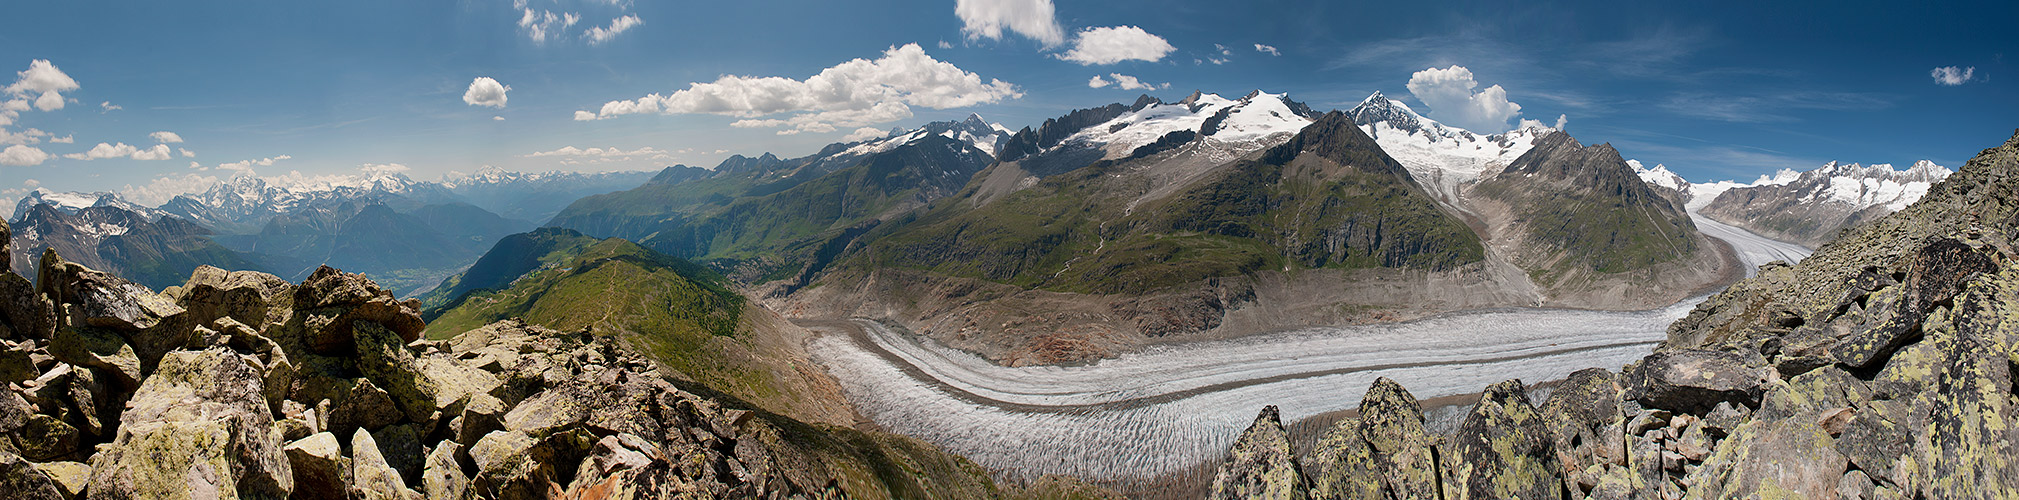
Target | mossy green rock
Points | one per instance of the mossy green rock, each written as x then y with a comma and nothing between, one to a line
198,428
1503,450
1261,464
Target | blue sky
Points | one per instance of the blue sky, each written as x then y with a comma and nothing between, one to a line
1713,90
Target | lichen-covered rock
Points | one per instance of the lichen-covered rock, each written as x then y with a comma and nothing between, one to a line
98,348
1261,464
21,479
99,299
46,438
1503,450
197,428
511,465
319,469
384,358
1768,459
443,477
400,446
371,477
1583,417
248,297
1939,270
1343,465
70,477
1694,381
1392,421
24,312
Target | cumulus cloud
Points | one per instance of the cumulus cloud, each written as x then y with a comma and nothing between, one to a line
63,140
1952,76
44,83
167,187
109,106
599,152
1561,120
30,136
1124,82
1035,19
598,35
246,166
538,24
166,137
864,134
1449,94
856,93
120,149
186,153
497,118
485,91
1116,44
382,169
1265,49
22,156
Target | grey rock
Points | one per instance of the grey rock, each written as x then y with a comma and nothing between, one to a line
1261,464
1694,381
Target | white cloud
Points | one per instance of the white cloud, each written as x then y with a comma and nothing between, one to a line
944,45
1116,44
851,94
1561,120
1124,82
166,137
497,118
599,34
44,83
864,134
1035,19
1448,92
109,106
186,153
167,187
610,152
68,139
158,152
1267,50
1223,50
30,136
569,19
485,91
22,156
245,166
538,24
1952,76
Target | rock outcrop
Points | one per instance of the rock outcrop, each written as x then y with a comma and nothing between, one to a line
1883,366
242,385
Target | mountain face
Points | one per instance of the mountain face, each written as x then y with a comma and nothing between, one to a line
71,203
1812,207
325,389
1879,367
157,252
537,196
1444,159
765,217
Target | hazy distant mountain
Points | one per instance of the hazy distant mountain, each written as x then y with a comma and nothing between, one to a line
243,204
537,196
72,202
406,251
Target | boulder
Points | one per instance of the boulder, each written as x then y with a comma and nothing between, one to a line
1939,270
384,358
1503,450
371,477
20,479
70,477
1342,467
318,465
197,428
1694,381
16,363
24,313
400,445
248,297
443,477
1392,422
1772,459
511,465
46,438
98,348
1582,416
481,415
620,466
361,405
99,299
1261,464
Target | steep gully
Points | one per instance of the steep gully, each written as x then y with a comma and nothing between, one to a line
1168,409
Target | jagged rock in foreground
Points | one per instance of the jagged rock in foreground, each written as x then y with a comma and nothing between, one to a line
1261,464
241,385
1881,367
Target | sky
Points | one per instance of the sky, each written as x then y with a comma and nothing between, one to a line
154,98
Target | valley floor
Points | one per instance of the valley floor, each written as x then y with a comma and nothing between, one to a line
1147,416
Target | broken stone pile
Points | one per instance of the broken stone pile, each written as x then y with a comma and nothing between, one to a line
1886,366
240,384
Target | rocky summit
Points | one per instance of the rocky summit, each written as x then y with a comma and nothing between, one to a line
1881,367
243,385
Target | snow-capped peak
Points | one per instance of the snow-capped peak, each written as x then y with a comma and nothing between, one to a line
1240,125
1659,176
71,201
973,130
1440,156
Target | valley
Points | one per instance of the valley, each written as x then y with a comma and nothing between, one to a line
1168,409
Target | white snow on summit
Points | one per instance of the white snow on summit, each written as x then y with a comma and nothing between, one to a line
1252,122
1439,156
